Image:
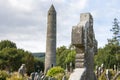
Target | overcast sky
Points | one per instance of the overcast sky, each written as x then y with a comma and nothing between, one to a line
24,21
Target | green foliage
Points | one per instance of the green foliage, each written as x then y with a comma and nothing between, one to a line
61,58
11,58
28,59
70,57
39,65
3,75
61,55
111,75
65,56
116,32
56,72
118,59
115,29
108,55
59,76
7,44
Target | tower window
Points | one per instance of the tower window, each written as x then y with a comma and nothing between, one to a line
51,65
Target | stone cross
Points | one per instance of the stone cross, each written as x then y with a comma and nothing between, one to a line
83,38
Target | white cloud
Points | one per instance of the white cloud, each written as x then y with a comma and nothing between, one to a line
25,21
23,5
78,5
102,33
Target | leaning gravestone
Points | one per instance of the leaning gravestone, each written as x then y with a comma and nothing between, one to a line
83,38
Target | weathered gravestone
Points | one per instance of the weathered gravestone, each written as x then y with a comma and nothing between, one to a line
22,70
64,78
96,71
107,74
83,38
32,75
37,76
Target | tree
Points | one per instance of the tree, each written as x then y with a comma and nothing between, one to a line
28,60
38,65
11,58
62,53
116,39
116,32
109,55
7,44
65,56
70,58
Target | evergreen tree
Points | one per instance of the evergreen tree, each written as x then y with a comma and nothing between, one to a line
116,32
110,54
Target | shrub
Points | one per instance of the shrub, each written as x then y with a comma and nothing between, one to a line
3,75
56,72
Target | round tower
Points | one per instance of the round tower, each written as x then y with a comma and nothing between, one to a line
50,56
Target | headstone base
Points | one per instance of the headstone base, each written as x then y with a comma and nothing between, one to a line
78,74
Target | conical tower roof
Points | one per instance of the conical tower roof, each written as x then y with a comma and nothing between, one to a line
52,8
